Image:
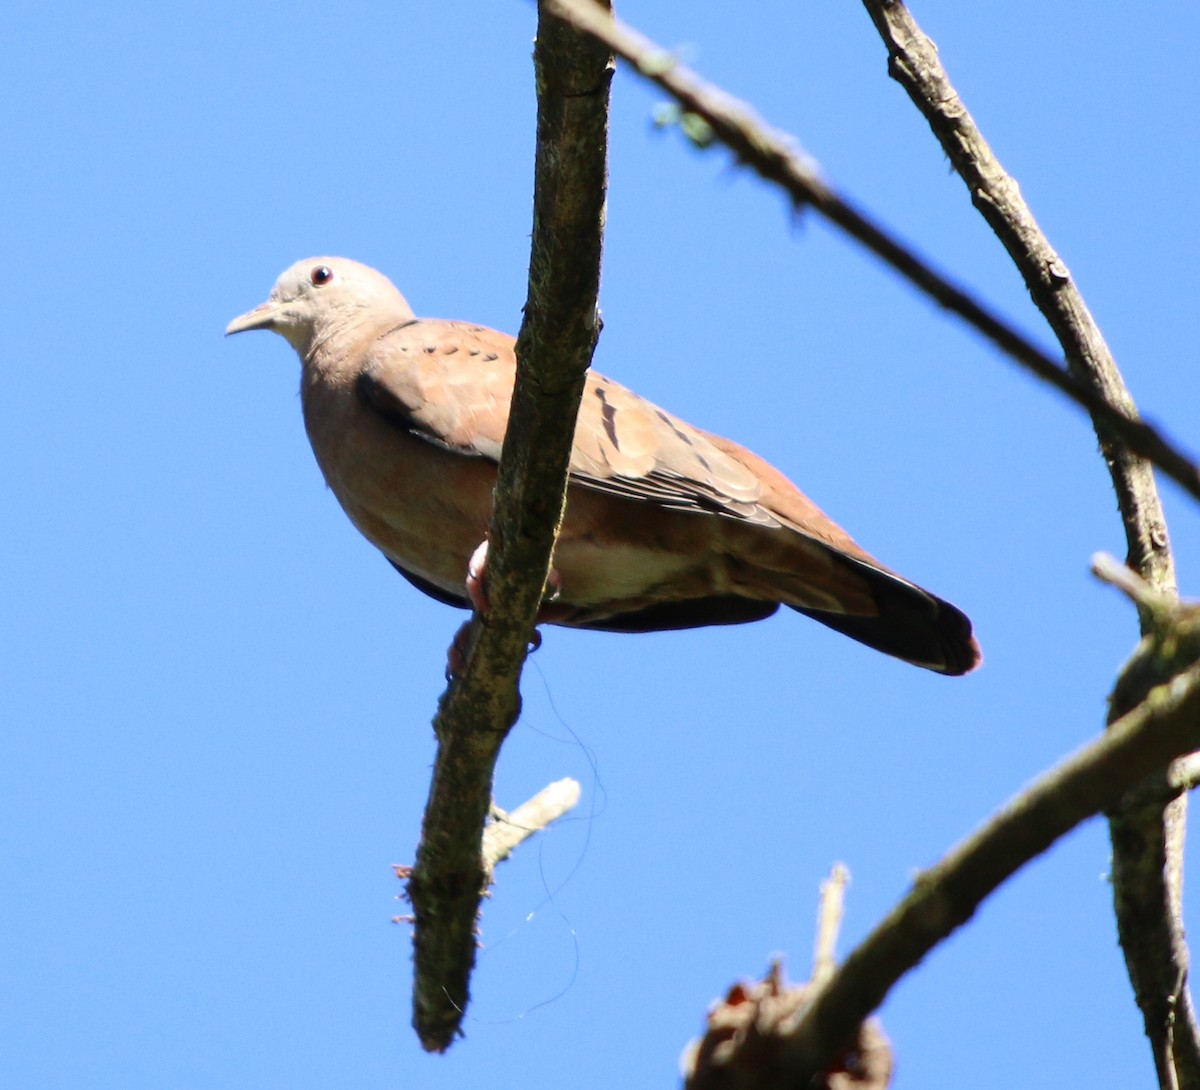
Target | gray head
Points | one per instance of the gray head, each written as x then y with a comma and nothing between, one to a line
319,295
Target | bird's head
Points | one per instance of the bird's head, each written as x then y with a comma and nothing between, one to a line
319,296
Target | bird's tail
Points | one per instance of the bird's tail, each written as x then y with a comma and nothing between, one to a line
910,623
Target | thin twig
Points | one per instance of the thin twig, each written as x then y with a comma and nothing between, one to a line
554,350
506,831
829,923
1153,604
775,158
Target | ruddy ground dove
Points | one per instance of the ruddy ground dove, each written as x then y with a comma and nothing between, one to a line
666,526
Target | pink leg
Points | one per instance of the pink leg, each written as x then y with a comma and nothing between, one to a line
456,658
456,654
476,572
477,590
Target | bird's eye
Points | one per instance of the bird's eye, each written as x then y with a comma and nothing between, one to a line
321,275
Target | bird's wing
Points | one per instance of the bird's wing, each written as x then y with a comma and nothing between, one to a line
450,383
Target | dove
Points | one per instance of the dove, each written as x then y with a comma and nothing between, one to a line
666,526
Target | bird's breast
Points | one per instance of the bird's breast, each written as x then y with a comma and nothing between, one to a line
424,507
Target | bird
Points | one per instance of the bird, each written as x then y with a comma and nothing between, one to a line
666,526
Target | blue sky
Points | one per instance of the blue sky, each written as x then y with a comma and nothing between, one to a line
217,697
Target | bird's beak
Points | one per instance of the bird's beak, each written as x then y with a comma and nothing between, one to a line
262,316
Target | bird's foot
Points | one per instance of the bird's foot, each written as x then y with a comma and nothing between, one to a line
456,656
477,587
456,653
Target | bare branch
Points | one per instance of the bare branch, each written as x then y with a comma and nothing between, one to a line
943,898
554,350
1147,831
913,62
775,158
829,922
506,831
1147,828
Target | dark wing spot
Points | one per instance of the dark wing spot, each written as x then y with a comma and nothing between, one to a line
399,325
609,415
673,424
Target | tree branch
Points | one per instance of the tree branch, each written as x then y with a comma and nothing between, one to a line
1165,726
775,158
554,350
1148,828
913,62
